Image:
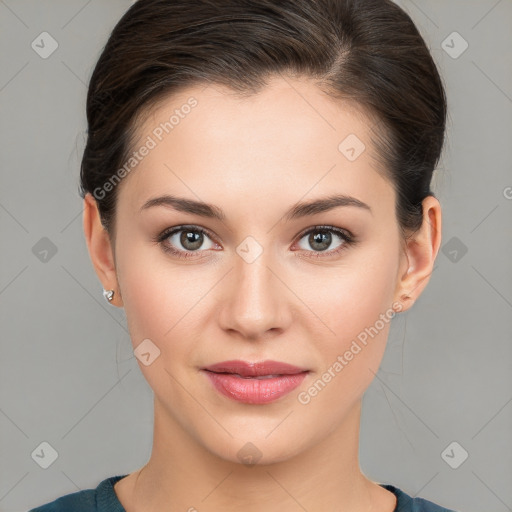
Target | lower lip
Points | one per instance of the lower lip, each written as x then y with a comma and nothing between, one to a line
254,391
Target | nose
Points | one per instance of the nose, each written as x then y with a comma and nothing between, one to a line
254,302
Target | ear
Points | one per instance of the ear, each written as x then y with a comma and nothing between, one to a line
100,248
419,255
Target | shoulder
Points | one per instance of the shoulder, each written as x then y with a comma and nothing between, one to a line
100,499
82,501
406,503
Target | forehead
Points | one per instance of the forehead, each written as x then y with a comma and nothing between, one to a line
288,140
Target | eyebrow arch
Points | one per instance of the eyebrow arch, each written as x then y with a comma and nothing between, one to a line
323,205
297,211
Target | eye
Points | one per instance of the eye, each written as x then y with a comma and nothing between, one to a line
183,241
320,238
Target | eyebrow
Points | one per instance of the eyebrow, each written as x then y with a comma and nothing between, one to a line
299,210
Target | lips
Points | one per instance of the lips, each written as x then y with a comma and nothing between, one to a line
264,369
254,383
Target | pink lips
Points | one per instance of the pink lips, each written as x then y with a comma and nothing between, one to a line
255,383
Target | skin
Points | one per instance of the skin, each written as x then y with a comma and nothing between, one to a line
255,158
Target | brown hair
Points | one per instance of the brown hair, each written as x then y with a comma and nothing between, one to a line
368,51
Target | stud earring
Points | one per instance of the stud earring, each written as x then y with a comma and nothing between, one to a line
108,294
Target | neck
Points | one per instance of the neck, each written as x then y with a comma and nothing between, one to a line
183,474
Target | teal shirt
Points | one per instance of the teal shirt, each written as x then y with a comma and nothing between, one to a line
104,499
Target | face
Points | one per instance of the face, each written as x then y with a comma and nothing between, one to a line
263,279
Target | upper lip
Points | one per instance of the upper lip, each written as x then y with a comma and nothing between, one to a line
254,369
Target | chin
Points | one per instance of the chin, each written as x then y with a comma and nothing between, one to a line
256,448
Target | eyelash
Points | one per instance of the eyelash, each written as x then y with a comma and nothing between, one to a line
346,236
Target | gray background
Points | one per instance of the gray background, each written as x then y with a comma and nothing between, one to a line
68,374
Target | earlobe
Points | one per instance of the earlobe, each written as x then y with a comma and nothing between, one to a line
421,251
100,247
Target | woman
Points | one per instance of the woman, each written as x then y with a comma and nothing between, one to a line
256,186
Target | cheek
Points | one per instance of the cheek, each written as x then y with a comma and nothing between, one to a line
356,308
158,302
352,297
163,302
156,297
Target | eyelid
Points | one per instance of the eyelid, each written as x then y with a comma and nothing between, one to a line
166,233
327,227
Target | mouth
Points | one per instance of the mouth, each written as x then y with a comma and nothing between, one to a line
258,377
245,369
254,382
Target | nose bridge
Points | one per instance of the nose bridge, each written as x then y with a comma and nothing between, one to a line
256,303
